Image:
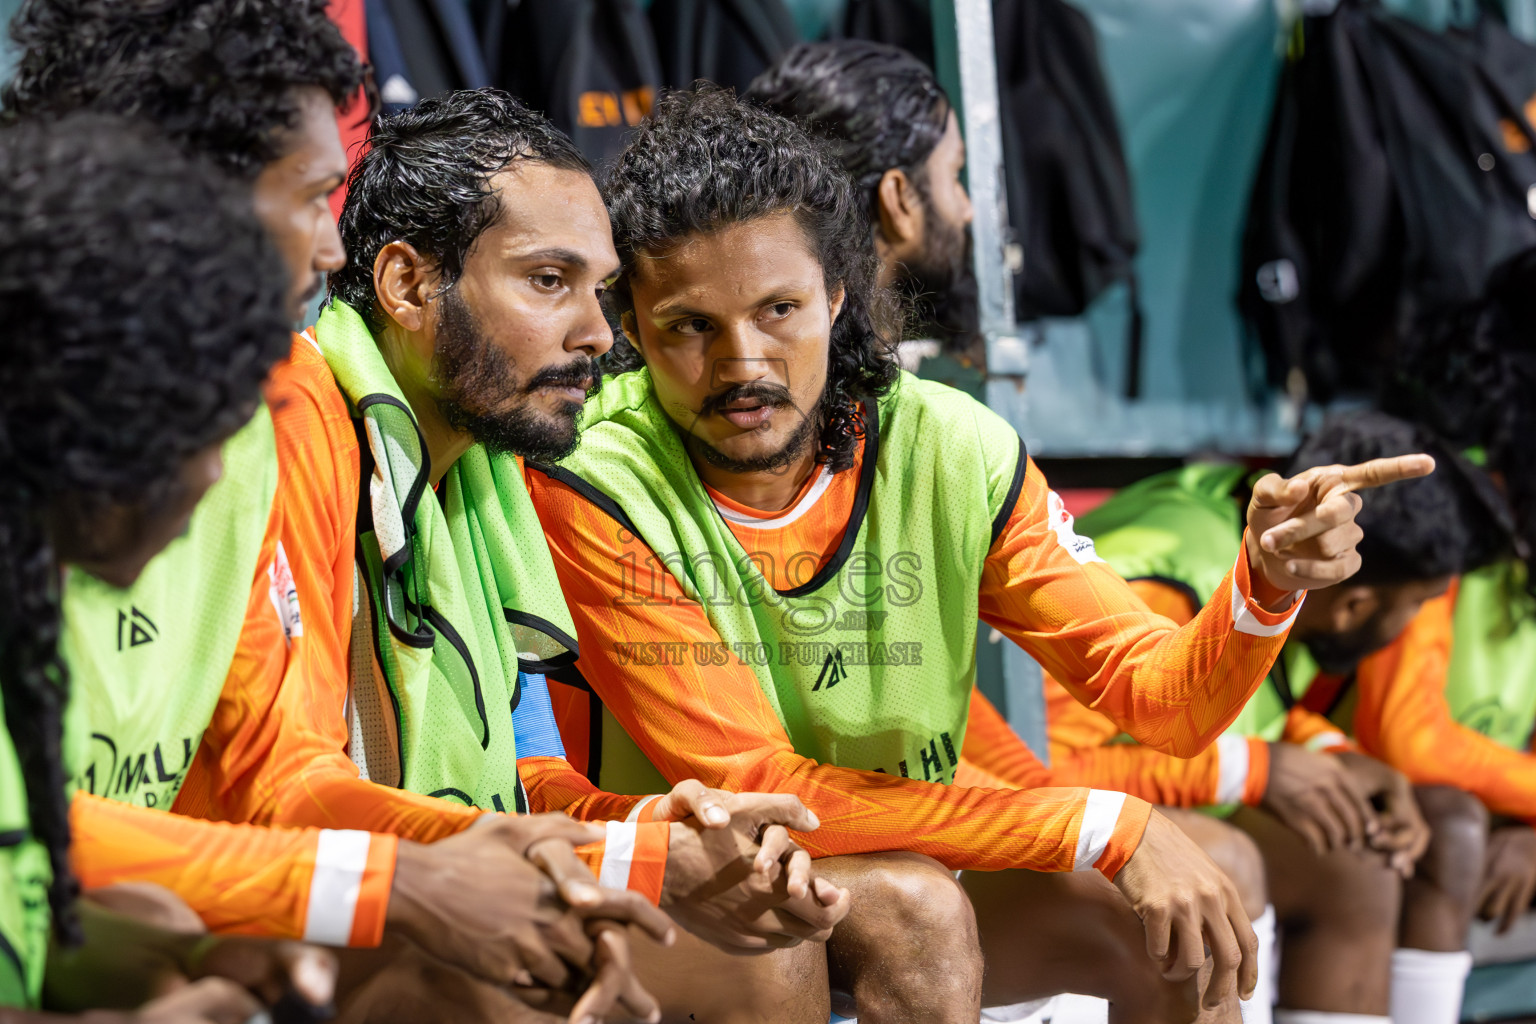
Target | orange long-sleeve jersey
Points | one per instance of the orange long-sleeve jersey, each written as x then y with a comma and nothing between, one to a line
275,752
1402,717
1233,769
1041,585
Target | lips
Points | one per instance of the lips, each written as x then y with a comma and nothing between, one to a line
749,418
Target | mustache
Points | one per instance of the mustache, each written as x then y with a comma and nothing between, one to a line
581,372
770,394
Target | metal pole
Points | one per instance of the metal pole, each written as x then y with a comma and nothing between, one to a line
966,64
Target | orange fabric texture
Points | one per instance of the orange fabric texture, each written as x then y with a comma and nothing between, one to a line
1177,687
238,878
1402,718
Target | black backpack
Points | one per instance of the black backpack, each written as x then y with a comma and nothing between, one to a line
1069,189
1397,178
728,42
590,65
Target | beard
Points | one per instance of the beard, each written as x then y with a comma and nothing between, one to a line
477,378
939,287
1338,653
773,395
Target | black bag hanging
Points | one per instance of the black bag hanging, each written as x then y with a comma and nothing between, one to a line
1069,188
422,48
590,65
728,42
1397,177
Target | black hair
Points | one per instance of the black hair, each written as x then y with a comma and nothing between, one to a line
1447,523
143,306
1469,373
425,180
218,76
879,107
704,160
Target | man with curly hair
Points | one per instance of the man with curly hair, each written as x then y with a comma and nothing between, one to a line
775,548
253,85
118,388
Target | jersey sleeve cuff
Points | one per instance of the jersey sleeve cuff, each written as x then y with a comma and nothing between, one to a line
1248,615
1258,772
1110,832
633,855
373,898
349,888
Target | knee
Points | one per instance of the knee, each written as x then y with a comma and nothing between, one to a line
1238,856
1458,824
1356,895
913,893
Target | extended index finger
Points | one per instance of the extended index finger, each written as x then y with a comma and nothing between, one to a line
1379,472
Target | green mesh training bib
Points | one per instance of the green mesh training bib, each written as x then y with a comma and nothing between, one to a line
869,664
147,663
1491,684
459,580
24,877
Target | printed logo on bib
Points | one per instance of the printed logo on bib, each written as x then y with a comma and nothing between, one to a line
832,671
929,763
135,629
149,778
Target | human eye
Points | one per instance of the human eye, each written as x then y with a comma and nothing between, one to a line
691,326
547,280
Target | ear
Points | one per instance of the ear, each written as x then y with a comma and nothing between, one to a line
835,301
901,217
631,333
403,284
1352,607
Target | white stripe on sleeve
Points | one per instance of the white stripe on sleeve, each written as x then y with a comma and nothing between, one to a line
641,805
1099,819
341,859
1326,740
1232,768
618,855
1244,621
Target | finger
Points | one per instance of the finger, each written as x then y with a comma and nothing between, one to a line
692,798
1188,953
1317,573
1226,958
615,986
829,895
524,830
624,906
1329,514
1276,491
777,809
1248,942
1311,833
774,846
1158,924
1497,907
1322,815
798,875
1351,812
1524,892
1380,472
217,1000
573,880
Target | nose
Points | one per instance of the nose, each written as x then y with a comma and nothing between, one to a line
330,254
740,355
967,211
593,334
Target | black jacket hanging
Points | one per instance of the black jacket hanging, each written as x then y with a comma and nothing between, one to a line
590,65
1397,176
728,42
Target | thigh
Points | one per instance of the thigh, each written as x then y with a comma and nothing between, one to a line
697,983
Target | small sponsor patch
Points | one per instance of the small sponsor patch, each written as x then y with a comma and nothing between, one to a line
284,595
1080,548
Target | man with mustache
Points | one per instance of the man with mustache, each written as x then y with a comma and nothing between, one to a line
776,548
254,731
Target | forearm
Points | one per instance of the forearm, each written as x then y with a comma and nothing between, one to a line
319,884
1232,770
